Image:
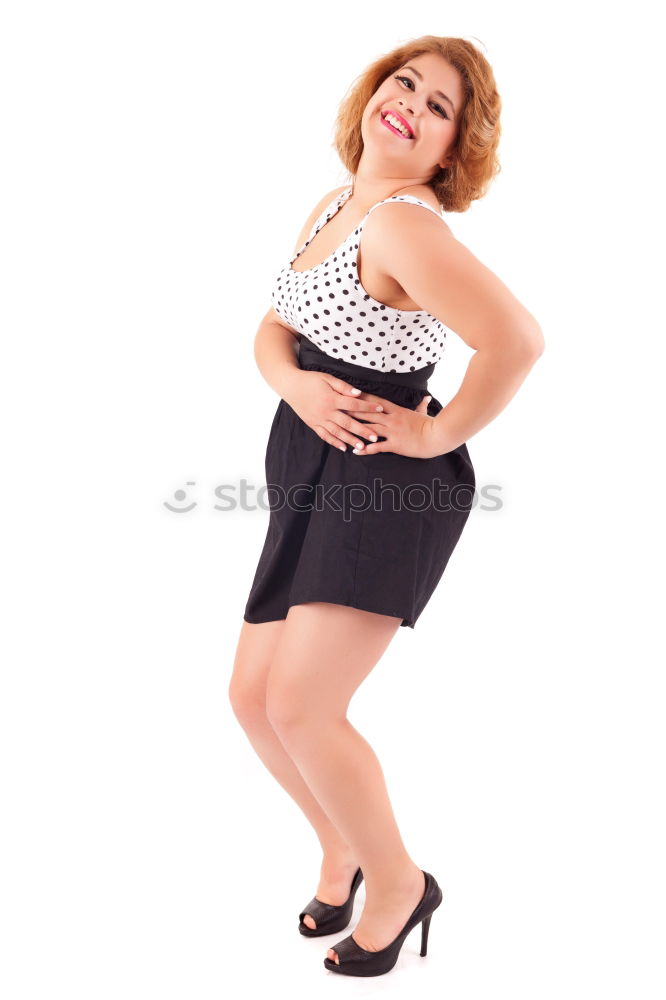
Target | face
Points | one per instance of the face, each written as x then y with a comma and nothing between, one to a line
425,95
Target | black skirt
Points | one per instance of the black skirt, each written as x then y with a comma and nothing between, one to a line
373,532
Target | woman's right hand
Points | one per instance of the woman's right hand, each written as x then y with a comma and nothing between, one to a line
326,404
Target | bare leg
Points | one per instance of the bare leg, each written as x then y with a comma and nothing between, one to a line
325,651
247,693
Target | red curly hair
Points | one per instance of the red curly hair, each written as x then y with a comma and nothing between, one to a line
475,162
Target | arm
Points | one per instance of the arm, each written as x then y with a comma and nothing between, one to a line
276,353
275,343
492,379
419,252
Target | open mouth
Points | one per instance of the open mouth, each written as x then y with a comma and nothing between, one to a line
396,125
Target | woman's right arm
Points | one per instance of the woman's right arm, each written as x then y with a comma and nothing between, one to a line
276,353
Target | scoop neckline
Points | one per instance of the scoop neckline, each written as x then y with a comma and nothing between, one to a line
340,200
308,270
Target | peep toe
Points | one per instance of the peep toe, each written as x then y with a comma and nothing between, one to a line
329,918
356,961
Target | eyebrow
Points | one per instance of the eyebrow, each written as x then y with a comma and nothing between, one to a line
438,92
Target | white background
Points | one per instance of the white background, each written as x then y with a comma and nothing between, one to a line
159,162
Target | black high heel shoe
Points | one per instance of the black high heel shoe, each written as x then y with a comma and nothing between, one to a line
356,961
329,918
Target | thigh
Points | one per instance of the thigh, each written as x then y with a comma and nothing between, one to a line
254,652
324,653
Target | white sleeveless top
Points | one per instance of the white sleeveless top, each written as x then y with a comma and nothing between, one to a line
329,306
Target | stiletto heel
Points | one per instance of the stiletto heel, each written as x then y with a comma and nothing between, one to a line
356,961
425,927
329,918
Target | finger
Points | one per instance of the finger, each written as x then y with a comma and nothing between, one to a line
368,400
372,431
360,407
374,437
361,414
372,449
346,434
329,438
343,387
366,428
373,400
369,421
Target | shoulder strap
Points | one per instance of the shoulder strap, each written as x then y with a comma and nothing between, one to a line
329,212
409,198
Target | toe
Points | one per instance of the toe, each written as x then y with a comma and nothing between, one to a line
333,956
309,922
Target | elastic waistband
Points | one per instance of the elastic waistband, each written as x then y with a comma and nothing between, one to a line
310,354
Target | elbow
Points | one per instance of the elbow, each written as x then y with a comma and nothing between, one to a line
519,349
522,342
539,343
531,344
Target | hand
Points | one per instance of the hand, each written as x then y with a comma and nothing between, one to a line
330,407
407,432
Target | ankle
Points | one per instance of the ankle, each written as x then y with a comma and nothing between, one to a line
395,881
338,857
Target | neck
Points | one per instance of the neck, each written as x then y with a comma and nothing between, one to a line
369,187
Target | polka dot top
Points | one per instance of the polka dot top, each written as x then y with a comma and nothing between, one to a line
328,304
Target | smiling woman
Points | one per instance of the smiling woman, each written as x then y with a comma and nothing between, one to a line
467,106
357,541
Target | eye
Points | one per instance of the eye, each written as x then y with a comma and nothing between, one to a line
408,79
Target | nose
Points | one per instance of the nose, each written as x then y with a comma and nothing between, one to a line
407,112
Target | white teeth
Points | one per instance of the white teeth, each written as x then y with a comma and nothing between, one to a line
397,124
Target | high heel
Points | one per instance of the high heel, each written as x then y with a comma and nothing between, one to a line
329,918
356,961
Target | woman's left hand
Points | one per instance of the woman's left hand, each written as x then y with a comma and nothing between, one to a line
407,432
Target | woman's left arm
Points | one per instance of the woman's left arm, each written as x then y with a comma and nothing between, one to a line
448,281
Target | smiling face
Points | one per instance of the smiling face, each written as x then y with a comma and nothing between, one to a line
423,100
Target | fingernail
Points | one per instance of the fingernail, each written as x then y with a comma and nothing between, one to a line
373,437
356,390
380,409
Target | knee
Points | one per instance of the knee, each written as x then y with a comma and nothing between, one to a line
248,702
285,711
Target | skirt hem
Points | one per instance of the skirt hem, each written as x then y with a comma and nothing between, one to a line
407,621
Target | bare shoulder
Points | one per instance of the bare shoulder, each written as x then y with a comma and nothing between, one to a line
315,213
326,200
394,214
419,252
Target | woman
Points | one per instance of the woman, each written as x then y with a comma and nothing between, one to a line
354,333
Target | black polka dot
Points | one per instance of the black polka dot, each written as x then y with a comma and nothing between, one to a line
390,334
